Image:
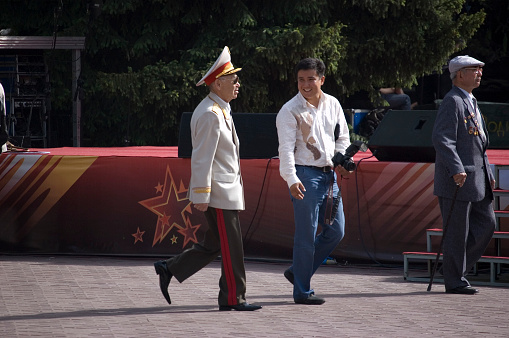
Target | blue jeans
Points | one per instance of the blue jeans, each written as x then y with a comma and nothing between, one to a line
309,250
398,101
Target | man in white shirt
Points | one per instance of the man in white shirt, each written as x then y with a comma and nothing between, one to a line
311,129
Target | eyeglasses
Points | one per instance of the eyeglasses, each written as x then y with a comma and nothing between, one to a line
234,81
475,69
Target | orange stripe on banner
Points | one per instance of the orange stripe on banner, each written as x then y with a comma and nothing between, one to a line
227,261
7,176
35,187
399,196
31,181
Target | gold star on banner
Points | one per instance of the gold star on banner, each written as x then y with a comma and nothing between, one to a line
167,206
174,240
138,236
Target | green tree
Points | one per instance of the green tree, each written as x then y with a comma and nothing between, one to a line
143,57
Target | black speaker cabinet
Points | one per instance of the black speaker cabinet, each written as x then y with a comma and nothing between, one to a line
257,135
404,136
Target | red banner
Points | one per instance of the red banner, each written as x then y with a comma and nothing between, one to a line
132,201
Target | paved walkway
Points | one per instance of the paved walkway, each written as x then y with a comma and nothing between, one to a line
42,296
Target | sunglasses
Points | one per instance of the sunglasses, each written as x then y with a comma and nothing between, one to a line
234,81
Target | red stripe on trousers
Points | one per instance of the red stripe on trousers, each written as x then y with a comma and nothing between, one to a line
227,261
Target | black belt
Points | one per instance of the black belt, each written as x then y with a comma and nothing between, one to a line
326,169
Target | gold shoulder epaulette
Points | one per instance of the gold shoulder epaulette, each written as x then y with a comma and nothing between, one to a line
216,109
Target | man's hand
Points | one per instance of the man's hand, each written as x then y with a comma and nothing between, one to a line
201,206
343,172
492,184
297,190
460,178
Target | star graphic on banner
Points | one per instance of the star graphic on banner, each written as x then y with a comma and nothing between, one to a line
189,232
165,220
167,207
138,236
174,240
159,188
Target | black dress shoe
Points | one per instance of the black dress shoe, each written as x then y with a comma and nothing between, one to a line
289,275
311,300
464,290
164,278
239,307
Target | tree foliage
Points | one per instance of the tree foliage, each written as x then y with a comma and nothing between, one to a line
143,57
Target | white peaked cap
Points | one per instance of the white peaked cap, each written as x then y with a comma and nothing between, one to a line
221,67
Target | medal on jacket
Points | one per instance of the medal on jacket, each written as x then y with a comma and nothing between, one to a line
472,130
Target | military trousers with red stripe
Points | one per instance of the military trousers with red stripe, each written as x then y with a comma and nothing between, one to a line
223,237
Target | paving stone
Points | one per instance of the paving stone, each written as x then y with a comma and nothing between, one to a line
65,296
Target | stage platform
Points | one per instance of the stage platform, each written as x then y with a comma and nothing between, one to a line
132,201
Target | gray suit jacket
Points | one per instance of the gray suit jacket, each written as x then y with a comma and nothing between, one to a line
459,149
215,161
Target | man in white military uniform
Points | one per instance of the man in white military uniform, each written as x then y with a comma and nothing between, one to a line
216,189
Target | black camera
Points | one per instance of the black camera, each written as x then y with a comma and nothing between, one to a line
346,160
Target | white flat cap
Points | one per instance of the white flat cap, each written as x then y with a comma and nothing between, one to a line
463,61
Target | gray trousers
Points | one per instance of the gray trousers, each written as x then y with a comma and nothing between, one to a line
223,237
468,233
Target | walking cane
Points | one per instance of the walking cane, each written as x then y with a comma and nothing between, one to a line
442,241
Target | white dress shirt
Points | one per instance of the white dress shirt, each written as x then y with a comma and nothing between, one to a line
306,134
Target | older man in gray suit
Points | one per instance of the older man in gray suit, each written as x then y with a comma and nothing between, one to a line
462,171
216,189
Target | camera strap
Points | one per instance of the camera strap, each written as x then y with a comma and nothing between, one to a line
332,205
329,217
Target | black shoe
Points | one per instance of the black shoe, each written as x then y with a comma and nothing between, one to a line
311,300
239,307
464,290
289,275
164,278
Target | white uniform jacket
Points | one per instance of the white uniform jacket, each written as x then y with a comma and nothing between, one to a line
215,163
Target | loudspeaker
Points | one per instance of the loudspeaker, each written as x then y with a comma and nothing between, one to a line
404,136
257,135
